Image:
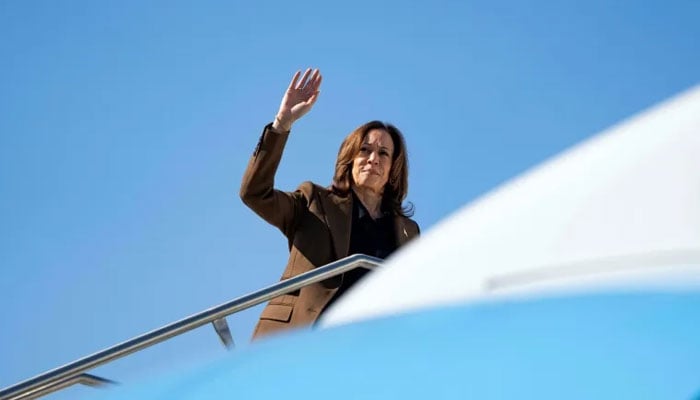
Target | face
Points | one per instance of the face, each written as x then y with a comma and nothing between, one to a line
372,164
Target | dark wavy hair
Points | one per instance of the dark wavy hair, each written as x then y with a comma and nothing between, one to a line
396,188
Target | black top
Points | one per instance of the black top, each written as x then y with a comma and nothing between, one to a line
367,236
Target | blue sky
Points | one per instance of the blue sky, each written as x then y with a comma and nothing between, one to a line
125,128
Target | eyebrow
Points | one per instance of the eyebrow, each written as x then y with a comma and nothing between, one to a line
381,147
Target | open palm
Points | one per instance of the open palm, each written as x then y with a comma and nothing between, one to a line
299,97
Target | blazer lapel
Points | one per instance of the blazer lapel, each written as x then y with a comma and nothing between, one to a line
339,213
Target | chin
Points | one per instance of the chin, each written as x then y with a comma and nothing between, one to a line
369,182
368,186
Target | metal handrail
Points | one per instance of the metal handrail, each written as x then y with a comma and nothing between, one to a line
84,379
39,384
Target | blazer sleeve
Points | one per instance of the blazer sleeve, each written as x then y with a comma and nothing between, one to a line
279,208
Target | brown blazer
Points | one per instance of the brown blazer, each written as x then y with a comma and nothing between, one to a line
317,224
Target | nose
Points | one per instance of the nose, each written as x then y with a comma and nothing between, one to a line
373,157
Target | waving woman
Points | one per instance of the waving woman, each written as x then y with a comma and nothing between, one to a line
362,210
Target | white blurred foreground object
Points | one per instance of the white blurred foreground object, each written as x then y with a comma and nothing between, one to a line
623,206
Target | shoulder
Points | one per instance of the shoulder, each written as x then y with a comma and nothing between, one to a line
311,191
412,226
308,189
325,196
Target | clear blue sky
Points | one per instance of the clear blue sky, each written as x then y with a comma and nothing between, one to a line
125,128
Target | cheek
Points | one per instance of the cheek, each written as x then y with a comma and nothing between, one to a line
356,166
387,169
357,162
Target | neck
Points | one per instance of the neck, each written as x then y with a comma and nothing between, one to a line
371,200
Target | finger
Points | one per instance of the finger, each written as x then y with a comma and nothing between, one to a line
302,83
312,81
317,82
294,80
309,79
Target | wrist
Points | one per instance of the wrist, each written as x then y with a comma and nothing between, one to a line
280,126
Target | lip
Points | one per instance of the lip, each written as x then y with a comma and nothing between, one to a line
371,172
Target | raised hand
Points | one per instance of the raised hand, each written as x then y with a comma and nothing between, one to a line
298,99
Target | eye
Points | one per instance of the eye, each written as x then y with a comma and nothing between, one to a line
384,153
364,149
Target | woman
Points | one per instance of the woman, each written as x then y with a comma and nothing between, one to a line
361,213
